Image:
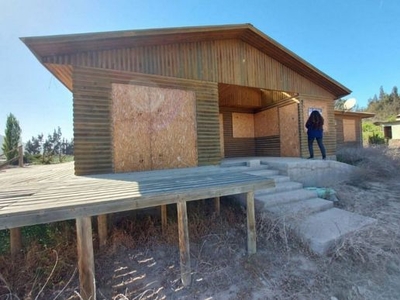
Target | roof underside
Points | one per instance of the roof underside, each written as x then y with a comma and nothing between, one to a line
67,44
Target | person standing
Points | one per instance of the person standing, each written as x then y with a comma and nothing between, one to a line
314,125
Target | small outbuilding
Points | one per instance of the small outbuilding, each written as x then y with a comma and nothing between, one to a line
349,128
391,131
183,97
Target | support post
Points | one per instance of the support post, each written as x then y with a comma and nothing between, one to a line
15,241
21,156
164,218
251,224
217,205
102,229
184,243
85,258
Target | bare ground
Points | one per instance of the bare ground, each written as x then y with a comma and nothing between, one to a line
142,263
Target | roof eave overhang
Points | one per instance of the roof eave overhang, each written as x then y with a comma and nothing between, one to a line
65,44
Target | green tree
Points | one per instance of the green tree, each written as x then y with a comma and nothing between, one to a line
12,137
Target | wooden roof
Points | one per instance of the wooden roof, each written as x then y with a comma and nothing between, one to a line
65,44
361,115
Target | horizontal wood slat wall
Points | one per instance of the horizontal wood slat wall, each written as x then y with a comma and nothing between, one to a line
236,147
92,118
268,146
230,61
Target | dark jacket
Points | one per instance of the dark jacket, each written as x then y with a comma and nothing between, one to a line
313,132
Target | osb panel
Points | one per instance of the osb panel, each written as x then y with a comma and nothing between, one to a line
221,134
243,125
289,131
153,128
266,123
130,121
316,104
349,130
173,129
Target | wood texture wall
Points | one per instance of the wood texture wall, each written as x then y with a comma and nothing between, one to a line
327,105
340,134
92,118
223,61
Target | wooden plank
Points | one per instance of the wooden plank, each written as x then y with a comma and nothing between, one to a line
102,228
15,241
184,247
217,205
164,218
251,224
85,258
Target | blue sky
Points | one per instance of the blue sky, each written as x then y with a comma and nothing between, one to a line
355,42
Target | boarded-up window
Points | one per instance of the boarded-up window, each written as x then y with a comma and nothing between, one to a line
266,123
153,128
349,130
243,125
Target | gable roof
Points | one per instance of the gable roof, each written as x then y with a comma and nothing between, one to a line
65,44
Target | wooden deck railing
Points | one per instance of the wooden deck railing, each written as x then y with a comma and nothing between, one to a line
19,157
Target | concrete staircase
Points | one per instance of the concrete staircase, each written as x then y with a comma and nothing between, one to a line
316,221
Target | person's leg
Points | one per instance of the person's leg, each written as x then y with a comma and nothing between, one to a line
310,147
321,147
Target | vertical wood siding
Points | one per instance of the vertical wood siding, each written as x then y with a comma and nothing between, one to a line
224,61
92,119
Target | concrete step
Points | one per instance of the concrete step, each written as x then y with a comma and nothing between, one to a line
280,187
323,229
268,200
300,209
264,172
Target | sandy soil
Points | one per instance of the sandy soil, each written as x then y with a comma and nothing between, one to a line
142,263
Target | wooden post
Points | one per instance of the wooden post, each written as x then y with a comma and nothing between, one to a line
85,258
102,228
21,156
184,243
15,241
164,218
217,205
251,224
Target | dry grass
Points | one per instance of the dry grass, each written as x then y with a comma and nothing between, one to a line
141,262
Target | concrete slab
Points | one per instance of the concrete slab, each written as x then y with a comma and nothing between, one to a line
281,198
281,187
322,230
300,209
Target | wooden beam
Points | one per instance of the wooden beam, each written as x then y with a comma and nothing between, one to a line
251,224
15,241
164,218
102,228
217,205
85,258
184,243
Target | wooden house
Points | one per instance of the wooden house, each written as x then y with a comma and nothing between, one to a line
349,128
391,131
181,97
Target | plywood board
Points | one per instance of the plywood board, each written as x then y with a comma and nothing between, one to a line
320,105
289,131
266,123
349,130
243,125
131,121
153,128
173,129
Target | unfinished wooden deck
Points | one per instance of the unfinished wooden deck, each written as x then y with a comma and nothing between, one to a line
43,194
